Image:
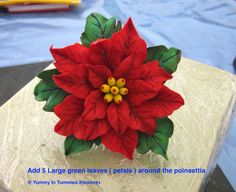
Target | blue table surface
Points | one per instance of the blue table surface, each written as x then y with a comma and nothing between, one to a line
205,30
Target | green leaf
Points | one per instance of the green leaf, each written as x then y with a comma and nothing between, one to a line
168,58
56,96
42,91
165,126
47,74
97,26
97,141
155,53
74,145
158,142
47,90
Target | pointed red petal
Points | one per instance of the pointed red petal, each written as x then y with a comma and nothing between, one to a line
98,75
64,128
129,68
89,130
94,106
69,111
166,102
104,126
124,144
139,91
70,108
119,116
68,57
142,119
127,42
75,82
154,75
102,53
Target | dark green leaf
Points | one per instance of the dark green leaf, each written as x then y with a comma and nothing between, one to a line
155,53
97,26
42,91
168,58
98,141
56,97
74,145
109,27
158,142
165,126
48,91
47,76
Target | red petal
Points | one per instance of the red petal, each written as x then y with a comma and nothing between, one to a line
124,144
127,42
130,68
69,111
75,82
70,108
119,116
90,130
98,75
102,53
68,57
64,128
104,126
142,118
166,102
94,106
154,75
139,91
86,130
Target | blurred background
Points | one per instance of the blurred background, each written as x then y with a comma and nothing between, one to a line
205,30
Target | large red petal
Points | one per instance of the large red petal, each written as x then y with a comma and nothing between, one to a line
154,75
166,102
64,128
127,42
129,68
104,126
119,116
139,91
142,118
68,57
69,111
102,53
124,144
75,82
98,75
94,106
86,130
90,130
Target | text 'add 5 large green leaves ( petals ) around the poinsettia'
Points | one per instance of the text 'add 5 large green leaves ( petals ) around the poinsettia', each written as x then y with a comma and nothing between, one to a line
99,27
47,90
158,142
168,58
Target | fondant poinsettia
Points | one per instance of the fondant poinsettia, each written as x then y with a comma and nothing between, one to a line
114,92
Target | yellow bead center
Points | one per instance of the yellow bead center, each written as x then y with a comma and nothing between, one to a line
114,90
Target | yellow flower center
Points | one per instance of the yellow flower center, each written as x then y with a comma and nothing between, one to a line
114,90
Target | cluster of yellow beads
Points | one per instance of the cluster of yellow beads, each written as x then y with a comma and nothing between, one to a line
114,90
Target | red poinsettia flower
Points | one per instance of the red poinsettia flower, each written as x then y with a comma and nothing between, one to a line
113,92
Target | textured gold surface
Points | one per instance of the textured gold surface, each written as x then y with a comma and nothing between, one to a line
27,139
